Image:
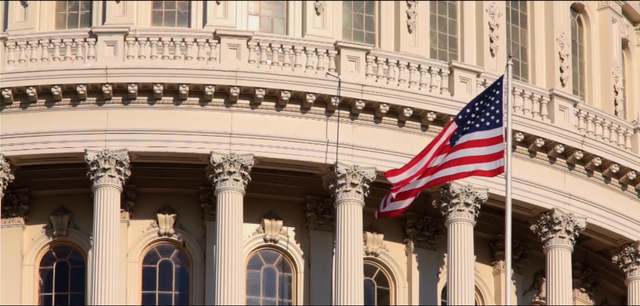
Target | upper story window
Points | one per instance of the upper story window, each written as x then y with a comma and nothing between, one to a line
444,30
268,16
578,56
269,279
359,21
166,276
377,287
62,272
518,37
170,14
73,15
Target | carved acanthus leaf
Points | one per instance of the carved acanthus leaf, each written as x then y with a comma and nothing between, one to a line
349,182
127,202
628,259
6,176
272,227
207,204
230,170
423,232
494,25
166,221
107,166
618,92
585,282
457,201
373,242
15,207
519,254
412,15
319,7
320,214
564,54
557,227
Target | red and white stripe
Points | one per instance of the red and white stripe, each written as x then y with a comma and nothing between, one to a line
479,153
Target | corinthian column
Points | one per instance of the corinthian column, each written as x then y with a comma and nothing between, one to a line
558,231
629,261
230,176
108,170
349,185
460,205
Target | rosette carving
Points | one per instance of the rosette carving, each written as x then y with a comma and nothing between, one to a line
320,214
557,227
107,166
349,183
457,201
230,170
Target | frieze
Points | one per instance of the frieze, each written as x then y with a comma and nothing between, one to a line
558,228
230,170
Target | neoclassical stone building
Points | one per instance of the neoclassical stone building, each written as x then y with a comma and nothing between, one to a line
232,152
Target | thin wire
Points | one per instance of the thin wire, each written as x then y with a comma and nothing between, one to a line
338,124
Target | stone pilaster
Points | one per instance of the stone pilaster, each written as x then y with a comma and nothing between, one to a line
585,284
208,206
230,174
349,185
558,231
109,171
422,234
460,205
629,262
321,223
519,255
15,208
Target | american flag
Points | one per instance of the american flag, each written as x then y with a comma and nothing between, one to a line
470,145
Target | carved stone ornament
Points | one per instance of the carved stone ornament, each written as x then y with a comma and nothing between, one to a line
207,204
539,284
494,26
25,4
519,255
272,227
460,202
230,170
373,242
107,166
558,228
127,202
564,54
319,7
320,214
166,223
412,15
628,260
15,207
618,92
585,283
60,222
6,176
423,232
349,182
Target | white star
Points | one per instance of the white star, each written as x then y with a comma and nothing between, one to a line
487,123
477,125
468,110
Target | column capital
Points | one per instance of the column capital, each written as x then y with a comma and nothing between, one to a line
519,254
6,176
320,214
557,228
108,167
230,171
423,232
460,202
349,182
628,260
15,207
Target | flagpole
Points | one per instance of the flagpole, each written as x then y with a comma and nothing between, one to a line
508,166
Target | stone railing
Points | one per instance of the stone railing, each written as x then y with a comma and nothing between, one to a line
606,128
69,49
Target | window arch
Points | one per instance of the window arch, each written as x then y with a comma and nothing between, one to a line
270,278
62,276
518,38
359,21
174,14
73,14
268,16
578,54
444,30
166,275
378,289
443,297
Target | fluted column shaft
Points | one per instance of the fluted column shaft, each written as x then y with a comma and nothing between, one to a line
461,206
633,290
629,262
230,176
108,170
558,231
349,185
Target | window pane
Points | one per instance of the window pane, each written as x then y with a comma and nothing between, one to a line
77,299
182,279
165,299
170,13
165,276
62,276
149,278
383,297
370,270
182,299
46,280
269,281
45,300
253,283
149,299
369,292
267,16
253,301
61,299
78,275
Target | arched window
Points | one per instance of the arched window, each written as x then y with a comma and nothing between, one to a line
270,278
268,16
578,56
444,30
166,276
518,38
62,272
377,285
443,297
170,14
73,15
359,21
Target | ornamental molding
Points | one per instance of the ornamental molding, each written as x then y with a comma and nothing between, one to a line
6,176
127,202
348,183
494,27
207,204
585,283
539,285
423,231
628,259
564,53
618,92
271,228
110,167
557,228
230,171
15,207
319,7
412,15
519,255
460,202
373,242
166,223
320,214
60,221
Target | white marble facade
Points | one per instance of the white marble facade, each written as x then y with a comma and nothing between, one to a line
184,152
